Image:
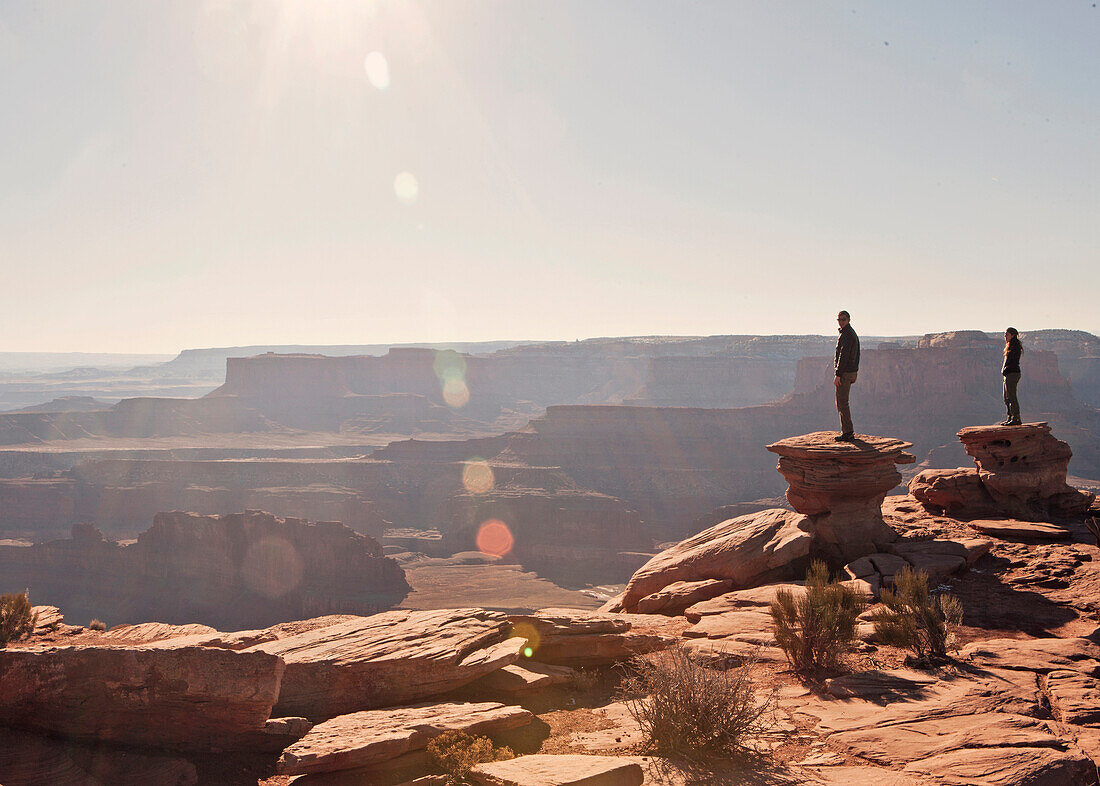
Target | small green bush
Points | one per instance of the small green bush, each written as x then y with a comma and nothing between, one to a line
910,618
456,753
97,625
690,711
815,630
16,617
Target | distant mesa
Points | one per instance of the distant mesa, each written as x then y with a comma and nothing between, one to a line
236,571
69,404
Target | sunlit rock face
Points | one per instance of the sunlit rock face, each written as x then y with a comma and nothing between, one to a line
1021,473
841,486
763,547
238,571
189,697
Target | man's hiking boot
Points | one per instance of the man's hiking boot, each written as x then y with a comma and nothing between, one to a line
845,438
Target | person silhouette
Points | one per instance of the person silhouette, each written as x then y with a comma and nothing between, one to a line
846,366
1010,370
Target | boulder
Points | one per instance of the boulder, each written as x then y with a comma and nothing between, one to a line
760,548
189,698
338,665
841,486
562,770
1021,473
49,617
572,637
955,492
677,596
373,737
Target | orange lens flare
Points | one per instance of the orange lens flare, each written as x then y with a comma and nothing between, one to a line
495,538
477,476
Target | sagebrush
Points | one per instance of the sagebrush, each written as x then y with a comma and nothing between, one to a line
456,753
912,619
17,618
817,629
688,710
97,625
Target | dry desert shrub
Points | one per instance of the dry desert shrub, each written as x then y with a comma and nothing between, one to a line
97,625
910,618
687,710
456,753
16,617
817,629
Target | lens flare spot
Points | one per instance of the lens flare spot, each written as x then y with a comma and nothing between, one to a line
406,188
448,364
272,567
455,393
526,630
477,476
495,538
378,70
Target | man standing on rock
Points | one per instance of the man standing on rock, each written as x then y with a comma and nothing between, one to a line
846,365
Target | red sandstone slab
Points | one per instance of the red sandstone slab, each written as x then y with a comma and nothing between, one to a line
339,665
550,770
373,737
1011,528
1038,655
194,698
572,637
822,444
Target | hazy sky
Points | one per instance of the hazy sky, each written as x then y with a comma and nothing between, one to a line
186,174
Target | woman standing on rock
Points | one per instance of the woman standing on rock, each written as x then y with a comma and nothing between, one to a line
1011,373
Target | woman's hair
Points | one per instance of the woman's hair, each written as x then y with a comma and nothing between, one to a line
1013,338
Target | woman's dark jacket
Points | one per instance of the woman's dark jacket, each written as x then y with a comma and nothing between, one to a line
1012,358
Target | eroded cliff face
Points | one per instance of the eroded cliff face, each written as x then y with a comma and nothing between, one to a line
238,571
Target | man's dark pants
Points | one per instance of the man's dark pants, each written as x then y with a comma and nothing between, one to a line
847,379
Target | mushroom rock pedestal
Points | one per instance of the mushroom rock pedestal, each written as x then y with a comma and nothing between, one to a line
1021,473
840,486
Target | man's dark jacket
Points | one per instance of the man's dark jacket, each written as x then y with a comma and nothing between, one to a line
847,351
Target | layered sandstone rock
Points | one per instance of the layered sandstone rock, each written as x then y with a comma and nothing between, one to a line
1021,473
338,665
756,549
370,738
571,637
677,596
559,770
841,486
979,727
192,697
242,570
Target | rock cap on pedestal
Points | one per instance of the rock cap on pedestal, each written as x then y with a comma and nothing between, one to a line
864,447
